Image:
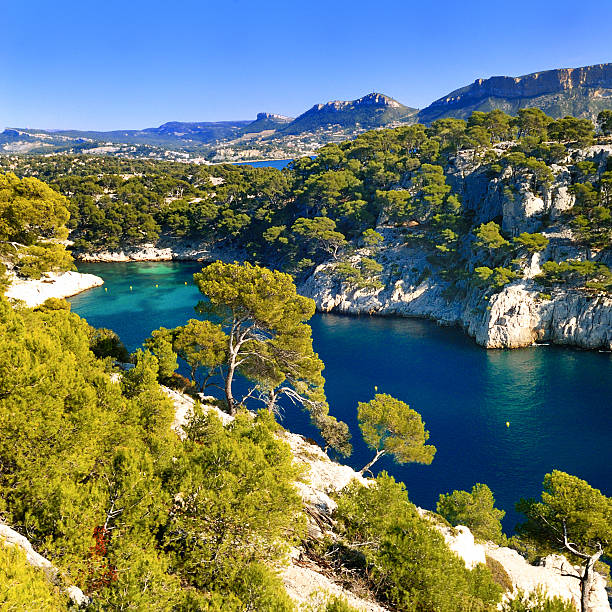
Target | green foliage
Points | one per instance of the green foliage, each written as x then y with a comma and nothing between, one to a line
604,120
34,261
476,510
532,123
587,274
319,234
92,472
106,343
22,587
32,220
570,129
534,243
371,238
337,604
235,502
406,560
570,505
161,345
390,427
201,344
268,339
488,237
572,517
30,211
536,601
363,274
497,278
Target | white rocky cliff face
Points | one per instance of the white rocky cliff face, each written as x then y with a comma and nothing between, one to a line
522,312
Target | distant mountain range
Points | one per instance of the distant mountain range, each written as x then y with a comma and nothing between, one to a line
581,92
371,111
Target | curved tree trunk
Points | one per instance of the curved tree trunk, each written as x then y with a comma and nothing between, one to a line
231,402
366,468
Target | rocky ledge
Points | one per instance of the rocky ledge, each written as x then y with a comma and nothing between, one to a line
517,316
165,249
35,292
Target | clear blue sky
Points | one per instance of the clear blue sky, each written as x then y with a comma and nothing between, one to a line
111,64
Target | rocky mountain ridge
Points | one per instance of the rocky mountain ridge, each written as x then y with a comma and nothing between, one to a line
370,111
580,92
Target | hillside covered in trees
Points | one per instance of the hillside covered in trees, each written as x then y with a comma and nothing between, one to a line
141,514
475,206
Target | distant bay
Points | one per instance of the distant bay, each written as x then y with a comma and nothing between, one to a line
266,163
557,401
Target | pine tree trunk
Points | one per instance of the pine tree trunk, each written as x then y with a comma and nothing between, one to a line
231,402
586,582
378,455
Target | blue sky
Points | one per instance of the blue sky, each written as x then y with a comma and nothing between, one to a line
108,64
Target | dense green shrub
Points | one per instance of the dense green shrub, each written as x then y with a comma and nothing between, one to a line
476,510
408,563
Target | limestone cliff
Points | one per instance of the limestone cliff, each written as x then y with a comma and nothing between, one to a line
523,312
580,92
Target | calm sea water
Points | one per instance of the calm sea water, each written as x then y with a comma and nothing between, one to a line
558,401
271,163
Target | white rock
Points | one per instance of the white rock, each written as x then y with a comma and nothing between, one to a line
10,537
304,580
35,292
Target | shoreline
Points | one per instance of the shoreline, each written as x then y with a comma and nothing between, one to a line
517,319
35,291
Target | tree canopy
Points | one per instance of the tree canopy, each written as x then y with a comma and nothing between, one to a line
390,426
572,517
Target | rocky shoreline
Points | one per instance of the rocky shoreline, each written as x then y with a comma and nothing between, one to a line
165,249
305,581
35,292
516,317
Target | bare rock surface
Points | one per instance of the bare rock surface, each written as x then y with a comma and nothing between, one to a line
35,292
10,537
165,249
555,576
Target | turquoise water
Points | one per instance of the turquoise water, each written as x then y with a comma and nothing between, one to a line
558,401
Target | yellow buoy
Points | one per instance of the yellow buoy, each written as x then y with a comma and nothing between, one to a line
507,423
375,387
157,285
185,282
130,287
105,288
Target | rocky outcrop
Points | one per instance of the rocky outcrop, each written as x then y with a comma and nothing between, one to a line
35,292
581,90
519,315
165,249
10,537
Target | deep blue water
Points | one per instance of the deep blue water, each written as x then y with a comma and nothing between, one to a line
558,401
271,163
